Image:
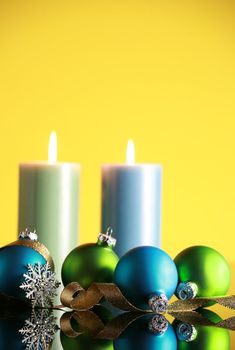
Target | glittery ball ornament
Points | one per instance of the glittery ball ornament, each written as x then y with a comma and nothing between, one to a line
147,276
203,272
15,259
92,262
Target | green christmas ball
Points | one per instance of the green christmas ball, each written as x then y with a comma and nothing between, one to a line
203,272
86,341
92,262
205,338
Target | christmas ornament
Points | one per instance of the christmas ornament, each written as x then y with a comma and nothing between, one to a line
186,332
203,272
39,330
139,335
194,337
40,284
158,324
92,262
10,338
14,259
147,277
86,341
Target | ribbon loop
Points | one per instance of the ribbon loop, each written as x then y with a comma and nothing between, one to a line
76,298
66,326
69,292
87,321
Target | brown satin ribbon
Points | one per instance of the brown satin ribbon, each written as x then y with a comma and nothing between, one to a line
76,298
36,245
117,326
193,304
195,318
81,301
89,322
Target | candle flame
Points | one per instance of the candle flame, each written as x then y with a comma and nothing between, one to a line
52,148
130,152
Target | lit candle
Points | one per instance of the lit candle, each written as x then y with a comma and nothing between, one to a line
131,202
49,202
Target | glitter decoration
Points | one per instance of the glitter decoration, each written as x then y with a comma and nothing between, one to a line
158,325
40,284
158,303
186,290
39,330
186,332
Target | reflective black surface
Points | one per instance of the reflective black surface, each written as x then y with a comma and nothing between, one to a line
104,328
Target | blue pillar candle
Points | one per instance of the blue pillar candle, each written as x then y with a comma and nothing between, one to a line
131,202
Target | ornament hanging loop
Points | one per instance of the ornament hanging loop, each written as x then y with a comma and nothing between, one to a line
109,231
28,234
107,239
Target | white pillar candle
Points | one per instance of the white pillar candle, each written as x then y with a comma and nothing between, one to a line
49,203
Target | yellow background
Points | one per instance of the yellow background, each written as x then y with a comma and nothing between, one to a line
100,72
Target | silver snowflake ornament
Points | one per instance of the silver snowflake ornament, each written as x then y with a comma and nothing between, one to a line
40,284
39,330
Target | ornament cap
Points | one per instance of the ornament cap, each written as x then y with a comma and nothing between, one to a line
187,290
158,302
27,234
106,238
158,325
186,332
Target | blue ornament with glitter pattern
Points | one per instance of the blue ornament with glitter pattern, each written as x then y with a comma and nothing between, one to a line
14,259
147,277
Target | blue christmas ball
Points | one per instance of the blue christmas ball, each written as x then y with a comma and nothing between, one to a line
13,265
10,338
147,277
14,261
138,336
